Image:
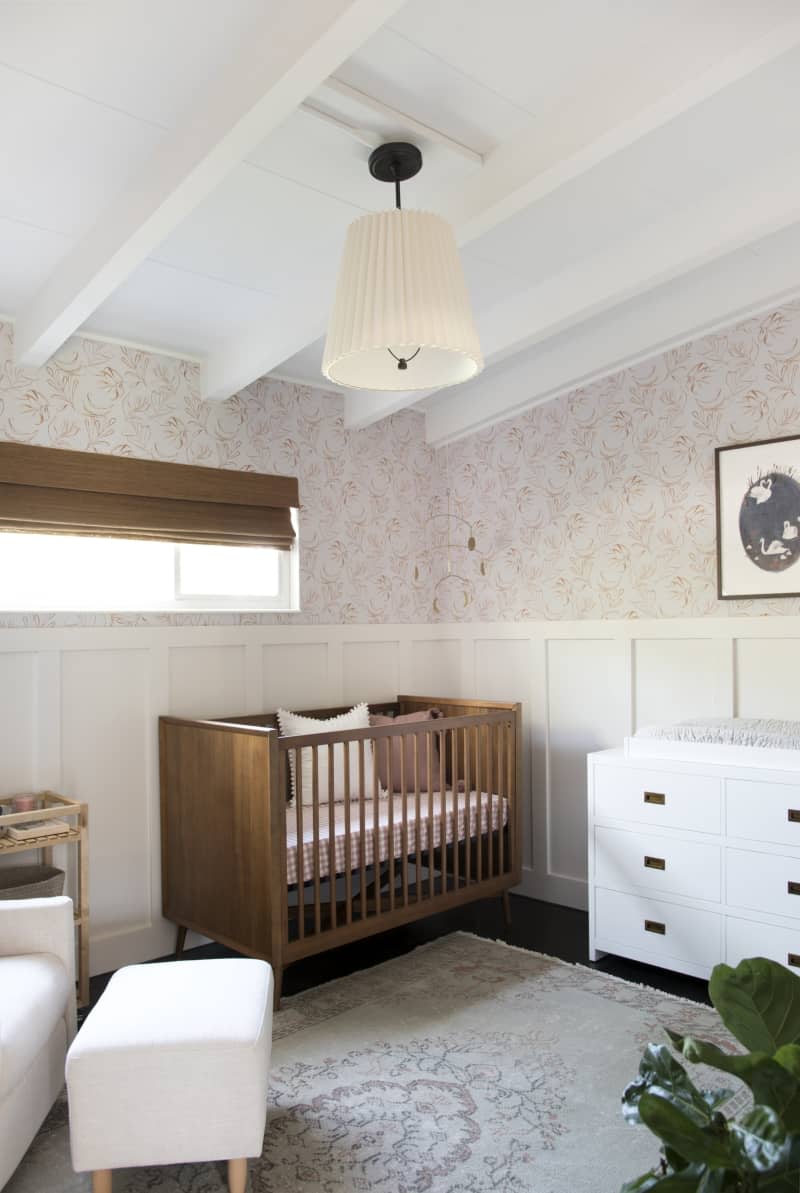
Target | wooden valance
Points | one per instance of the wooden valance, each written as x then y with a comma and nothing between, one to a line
45,490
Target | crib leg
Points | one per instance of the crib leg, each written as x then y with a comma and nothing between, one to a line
180,941
277,975
506,908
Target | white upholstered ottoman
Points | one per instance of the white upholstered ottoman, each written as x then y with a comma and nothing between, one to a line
171,1067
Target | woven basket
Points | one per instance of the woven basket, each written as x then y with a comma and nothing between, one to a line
30,882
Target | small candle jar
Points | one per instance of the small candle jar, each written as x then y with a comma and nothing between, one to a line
25,803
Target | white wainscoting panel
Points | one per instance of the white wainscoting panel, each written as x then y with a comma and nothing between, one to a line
107,752
436,666
79,711
766,677
370,671
207,681
502,669
674,680
296,676
18,721
588,685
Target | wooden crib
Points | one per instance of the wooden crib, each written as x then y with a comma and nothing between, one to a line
282,879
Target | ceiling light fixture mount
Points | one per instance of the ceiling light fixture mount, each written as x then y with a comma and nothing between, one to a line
401,296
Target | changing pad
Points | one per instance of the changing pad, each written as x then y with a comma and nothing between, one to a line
744,741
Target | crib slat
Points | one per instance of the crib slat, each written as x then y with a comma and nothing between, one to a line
467,811
431,866
418,820
331,840
501,790
390,838
315,819
376,833
348,866
362,826
479,797
404,830
298,811
456,834
490,803
443,812
513,796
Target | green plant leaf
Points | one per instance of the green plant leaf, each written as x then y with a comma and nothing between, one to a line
786,1179
680,1130
789,1057
759,1002
660,1070
773,1084
686,1181
760,1140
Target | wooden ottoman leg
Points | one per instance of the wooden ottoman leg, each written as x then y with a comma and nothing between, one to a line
101,1180
237,1175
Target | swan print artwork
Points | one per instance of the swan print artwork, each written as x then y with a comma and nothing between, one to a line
769,520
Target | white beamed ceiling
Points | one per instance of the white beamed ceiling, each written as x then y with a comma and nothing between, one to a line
640,178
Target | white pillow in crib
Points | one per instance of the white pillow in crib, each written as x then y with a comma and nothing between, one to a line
293,724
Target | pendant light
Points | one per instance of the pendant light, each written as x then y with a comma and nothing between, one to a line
401,317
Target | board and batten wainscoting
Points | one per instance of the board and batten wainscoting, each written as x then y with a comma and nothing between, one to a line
79,709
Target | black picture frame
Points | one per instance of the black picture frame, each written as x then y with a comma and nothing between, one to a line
758,519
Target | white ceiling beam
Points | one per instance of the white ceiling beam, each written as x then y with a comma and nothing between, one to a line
704,231
294,49
747,282
587,132
236,365
596,126
362,407
402,120
557,148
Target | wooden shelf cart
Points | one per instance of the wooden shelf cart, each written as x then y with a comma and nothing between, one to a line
76,815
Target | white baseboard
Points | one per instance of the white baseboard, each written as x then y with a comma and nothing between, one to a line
567,892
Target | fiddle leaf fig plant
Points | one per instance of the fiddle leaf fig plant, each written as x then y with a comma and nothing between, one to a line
703,1151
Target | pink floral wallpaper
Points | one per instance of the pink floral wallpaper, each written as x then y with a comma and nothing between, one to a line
597,505
601,504
364,494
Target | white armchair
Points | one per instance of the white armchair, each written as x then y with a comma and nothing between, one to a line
37,1016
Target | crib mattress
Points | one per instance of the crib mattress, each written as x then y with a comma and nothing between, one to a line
485,810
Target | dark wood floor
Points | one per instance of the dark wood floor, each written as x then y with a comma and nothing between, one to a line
542,927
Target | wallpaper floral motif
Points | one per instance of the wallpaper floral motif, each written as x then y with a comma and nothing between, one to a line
601,504
597,505
364,495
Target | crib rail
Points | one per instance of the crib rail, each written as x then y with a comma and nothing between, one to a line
422,814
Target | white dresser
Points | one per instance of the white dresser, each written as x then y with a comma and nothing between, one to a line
693,863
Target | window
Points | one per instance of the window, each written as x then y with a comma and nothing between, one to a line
91,532
51,572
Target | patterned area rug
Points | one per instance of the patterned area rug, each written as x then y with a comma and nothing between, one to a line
464,1067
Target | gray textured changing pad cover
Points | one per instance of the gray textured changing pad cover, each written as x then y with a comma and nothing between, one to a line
730,731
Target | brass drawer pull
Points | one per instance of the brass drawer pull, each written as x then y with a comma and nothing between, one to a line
655,926
793,959
654,797
793,888
793,814
658,863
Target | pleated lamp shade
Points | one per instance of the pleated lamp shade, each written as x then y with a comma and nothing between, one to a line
401,288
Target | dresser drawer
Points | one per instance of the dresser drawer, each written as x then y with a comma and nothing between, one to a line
626,861
665,931
760,811
763,882
658,797
746,939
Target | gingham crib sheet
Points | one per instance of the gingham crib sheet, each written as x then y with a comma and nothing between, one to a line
484,809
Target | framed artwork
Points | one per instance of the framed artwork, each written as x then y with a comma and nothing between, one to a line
758,519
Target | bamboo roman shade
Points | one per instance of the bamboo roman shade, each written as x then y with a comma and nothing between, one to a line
46,490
